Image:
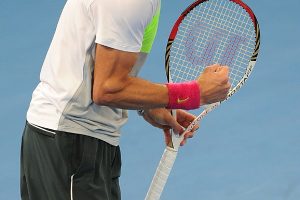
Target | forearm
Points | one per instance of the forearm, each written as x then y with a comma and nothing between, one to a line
132,93
114,85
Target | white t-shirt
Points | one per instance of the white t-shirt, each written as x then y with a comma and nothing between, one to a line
62,100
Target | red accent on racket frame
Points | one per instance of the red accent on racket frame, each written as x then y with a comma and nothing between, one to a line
192,6
248,9
183,14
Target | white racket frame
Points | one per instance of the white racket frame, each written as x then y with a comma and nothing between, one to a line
170,153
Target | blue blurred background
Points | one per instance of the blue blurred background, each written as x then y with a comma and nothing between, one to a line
248,149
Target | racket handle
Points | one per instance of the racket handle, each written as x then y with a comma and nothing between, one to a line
161,175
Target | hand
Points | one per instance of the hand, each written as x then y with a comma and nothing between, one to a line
184,119
163,119
214,84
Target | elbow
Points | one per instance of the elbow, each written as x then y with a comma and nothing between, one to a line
109,93
100,97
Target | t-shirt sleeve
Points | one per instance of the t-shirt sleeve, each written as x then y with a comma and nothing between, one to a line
150,33
121,24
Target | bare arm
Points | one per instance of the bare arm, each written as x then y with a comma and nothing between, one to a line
113,85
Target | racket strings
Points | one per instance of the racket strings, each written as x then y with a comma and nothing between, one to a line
216,32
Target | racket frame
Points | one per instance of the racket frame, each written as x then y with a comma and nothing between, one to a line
169,156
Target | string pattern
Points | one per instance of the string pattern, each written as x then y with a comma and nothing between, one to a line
218,31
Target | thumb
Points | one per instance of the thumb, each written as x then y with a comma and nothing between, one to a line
224,70
212,68
170,120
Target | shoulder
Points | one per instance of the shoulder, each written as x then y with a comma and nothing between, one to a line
121,24
141,8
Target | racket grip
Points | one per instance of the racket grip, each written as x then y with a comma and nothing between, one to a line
161,175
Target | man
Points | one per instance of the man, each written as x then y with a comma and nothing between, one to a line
70,142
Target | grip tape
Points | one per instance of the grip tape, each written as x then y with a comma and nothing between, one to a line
161,175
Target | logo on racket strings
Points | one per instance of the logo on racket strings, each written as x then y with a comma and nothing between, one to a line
221,46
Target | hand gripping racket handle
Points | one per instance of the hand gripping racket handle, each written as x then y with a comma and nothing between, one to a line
161,175
168,158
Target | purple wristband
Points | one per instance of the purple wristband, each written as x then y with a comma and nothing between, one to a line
184,95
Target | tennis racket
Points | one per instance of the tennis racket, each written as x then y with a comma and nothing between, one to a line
207,32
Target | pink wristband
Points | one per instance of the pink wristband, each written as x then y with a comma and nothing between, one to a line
184,95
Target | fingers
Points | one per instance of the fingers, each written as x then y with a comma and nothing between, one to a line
184,116
212,68
163,119
223,69
171,121
153,122
186,137
214,83
189,135
223,72
216,68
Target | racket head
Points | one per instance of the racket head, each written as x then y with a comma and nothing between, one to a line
208,32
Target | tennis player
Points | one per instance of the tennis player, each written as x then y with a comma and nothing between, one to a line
88,80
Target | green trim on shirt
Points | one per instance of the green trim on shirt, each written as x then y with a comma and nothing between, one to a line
150,33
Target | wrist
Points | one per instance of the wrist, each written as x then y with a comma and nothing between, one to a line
184,95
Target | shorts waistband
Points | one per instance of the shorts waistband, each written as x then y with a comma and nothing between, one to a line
42,130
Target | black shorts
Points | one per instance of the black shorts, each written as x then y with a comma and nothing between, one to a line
66,166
